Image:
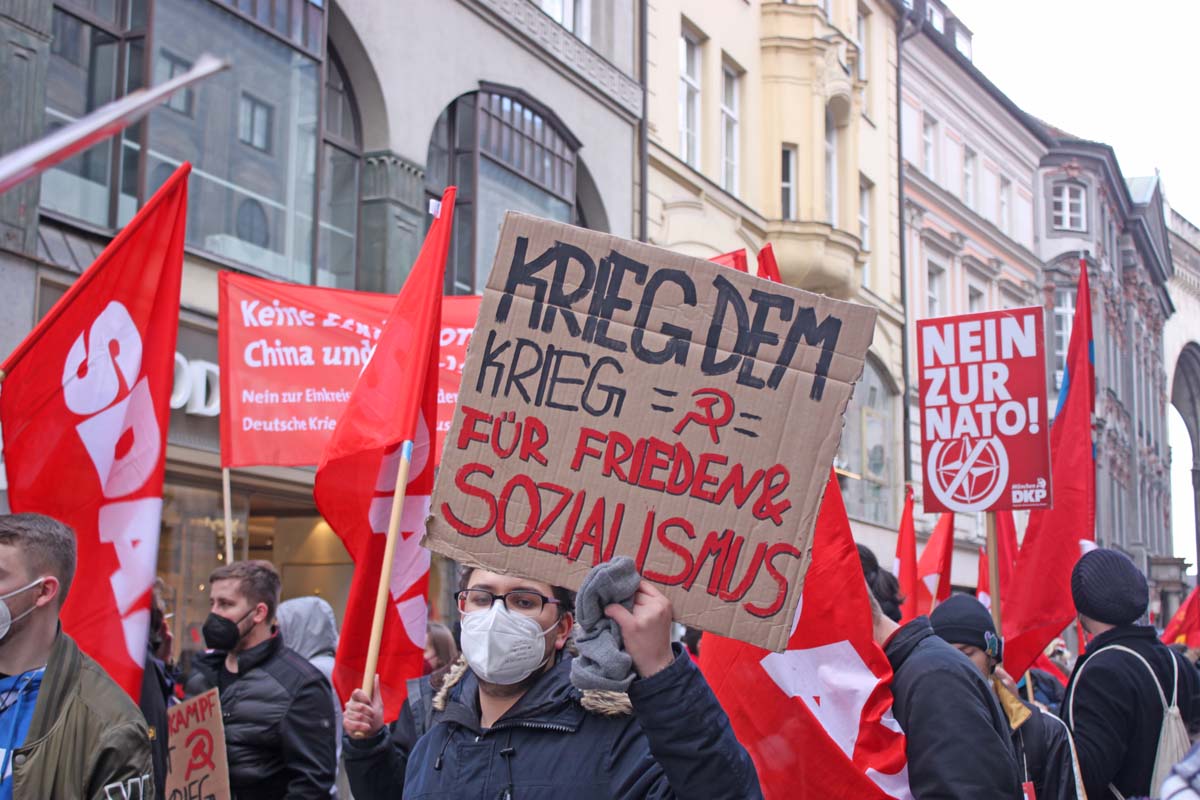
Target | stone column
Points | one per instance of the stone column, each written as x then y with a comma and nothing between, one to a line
393,221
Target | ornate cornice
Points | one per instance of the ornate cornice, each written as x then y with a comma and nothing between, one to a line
535,26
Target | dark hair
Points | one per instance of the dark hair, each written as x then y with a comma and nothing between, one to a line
48,546
442,641
884,585
257,580
565,597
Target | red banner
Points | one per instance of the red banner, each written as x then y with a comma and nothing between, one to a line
984,428
85,408
290,356
458,321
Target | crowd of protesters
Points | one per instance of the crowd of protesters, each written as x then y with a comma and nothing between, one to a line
558,695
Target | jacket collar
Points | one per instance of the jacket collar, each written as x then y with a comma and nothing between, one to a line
247,659
1122,633
1015,711
60,680
905,640
551,702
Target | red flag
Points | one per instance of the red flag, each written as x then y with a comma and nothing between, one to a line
983,591
1006,548
905,568
1039,606
735,259
933,570
768,267
817,718
394,402
1184,627
84,409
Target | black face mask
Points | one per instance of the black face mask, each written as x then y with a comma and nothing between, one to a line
222,634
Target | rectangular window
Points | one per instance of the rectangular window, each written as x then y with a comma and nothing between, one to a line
935,279
1064,317
689,100
864,225
928,140
968,177
729,130
168,66
975,300
1069,203
936,17
831,169
574,15
862,46
787,182
255,120
1005,207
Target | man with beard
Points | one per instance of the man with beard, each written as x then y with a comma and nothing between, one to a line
66,729
507,722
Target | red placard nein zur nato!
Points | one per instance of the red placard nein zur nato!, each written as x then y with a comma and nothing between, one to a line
984,424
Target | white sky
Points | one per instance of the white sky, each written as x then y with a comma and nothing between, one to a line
1108,70
1116,72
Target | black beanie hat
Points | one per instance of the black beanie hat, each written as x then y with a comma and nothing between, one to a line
961,619
1109,588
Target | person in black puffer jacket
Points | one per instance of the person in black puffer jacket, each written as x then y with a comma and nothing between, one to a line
280,732
534,735
956,734
1113,703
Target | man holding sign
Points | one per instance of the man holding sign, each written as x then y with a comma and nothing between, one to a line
507,721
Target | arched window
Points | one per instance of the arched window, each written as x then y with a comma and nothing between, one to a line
504,151
341,157
866,459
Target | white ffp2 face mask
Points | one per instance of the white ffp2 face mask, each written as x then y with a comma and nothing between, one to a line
6,617
502,647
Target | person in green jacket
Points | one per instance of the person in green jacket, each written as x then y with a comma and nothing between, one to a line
66,728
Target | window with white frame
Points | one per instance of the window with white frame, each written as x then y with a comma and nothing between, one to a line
866,455
689,99
935,286
787,182
831,169
975,299
574,15
1004,209
928,141
729,129
970,165
862,45
864,225
1064,317
1069,206
936,18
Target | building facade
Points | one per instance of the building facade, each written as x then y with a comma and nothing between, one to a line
314,158
970,180
775,122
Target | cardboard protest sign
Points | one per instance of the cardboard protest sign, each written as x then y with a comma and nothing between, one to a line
290,355
620,399
984,427
458,320
196,764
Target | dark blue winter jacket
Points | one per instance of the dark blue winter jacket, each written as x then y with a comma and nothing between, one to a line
677,742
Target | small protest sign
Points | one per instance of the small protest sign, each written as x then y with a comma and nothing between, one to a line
984,427
290,355
197,768
620,399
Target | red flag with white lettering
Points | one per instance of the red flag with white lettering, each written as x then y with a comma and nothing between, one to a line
394,401
84,410
817,718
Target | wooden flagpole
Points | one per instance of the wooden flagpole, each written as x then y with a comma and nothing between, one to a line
993,547
385,570
228,515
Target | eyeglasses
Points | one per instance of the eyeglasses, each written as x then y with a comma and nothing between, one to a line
523,601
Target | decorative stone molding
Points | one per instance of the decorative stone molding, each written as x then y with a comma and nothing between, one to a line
387,176
530,22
